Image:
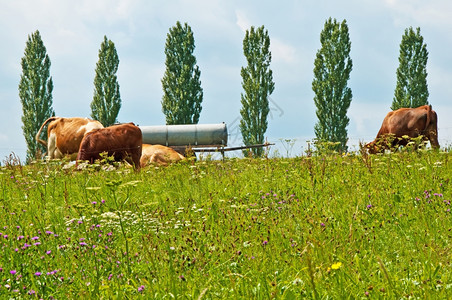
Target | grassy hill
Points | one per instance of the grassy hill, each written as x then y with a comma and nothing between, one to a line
321,226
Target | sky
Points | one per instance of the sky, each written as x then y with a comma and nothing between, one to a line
72,32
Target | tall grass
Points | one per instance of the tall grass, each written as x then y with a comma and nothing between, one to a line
325,226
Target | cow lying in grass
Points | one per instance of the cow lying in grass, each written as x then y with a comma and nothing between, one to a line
159,155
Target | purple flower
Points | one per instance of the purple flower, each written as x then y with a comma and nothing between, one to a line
37,244
31,292
20,237
48,252
322,224
38,274
140,288
83,244
49,232
35,238
94,203
103,201
264,243
369,206
13,272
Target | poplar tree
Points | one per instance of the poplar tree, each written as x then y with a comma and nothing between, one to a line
332,98
182,91
106,100
411,89
35,93
258,85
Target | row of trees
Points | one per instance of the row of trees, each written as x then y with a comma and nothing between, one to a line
183,94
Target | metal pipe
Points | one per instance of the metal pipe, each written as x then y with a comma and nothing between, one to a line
186,135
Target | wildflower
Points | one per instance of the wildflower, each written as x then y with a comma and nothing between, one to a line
35,238
110,233
12,272
83,244
20,237
37,244
31,292
94,203
322,224
369,206
49,232
48,252
140,288
102,201
38,274
264,243
336,266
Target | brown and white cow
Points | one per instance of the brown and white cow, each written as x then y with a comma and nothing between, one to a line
65,134
403,123
159,155
122,141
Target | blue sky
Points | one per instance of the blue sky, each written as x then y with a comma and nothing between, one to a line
72,32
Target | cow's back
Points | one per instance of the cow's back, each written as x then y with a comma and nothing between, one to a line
407,122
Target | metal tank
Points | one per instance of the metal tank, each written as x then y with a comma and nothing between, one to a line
186,135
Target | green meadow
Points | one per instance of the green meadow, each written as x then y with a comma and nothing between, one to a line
316,227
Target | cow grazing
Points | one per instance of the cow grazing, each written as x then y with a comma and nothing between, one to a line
65,134
403,123
159,155
122,141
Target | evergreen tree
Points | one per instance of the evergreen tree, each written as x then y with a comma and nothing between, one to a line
411,89
332,98
35,93
106,100
258,85
182,92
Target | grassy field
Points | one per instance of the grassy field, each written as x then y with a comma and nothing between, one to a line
315,227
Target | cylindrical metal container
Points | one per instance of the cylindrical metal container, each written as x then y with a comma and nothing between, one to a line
186,135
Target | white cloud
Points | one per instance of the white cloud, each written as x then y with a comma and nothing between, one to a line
242,21
434,13
282,51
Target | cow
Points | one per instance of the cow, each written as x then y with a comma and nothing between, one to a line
159,155
403,124
122,141
65,134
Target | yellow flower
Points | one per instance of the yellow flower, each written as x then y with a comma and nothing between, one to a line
336,266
